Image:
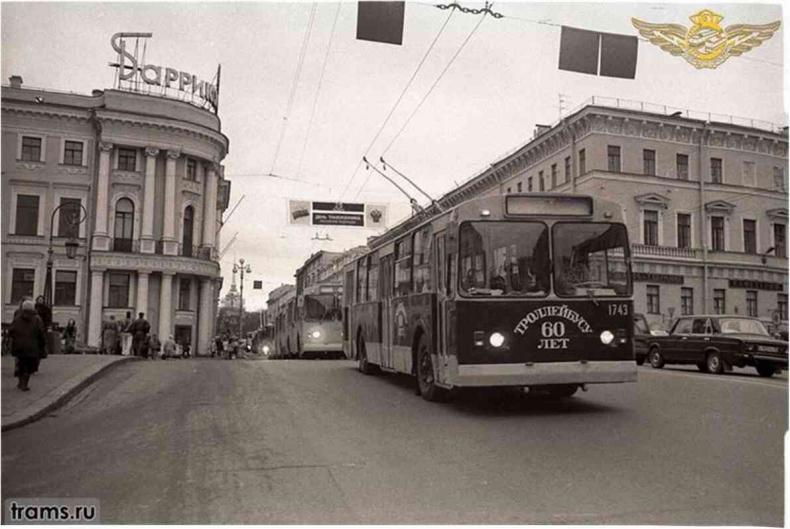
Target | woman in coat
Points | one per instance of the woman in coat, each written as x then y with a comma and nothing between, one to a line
28,339
110,337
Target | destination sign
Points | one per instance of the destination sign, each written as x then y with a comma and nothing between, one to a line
337,219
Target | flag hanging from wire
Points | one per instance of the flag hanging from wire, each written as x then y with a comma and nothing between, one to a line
592,52
381,21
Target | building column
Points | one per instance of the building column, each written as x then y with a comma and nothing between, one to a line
142,291
206,316
170,243
101,236
210,208
96,305
166,306
147,244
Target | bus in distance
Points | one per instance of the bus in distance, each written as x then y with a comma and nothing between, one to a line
318,326
528,290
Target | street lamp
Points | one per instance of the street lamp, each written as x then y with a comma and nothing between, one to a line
241,268
71,244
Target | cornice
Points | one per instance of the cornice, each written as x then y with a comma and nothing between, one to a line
155,263
45,111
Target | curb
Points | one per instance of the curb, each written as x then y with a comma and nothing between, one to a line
67,396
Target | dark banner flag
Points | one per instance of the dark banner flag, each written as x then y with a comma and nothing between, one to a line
381,21
257,285
596,53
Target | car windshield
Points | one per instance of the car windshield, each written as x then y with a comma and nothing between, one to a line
322,307
504,259
590,259
742,325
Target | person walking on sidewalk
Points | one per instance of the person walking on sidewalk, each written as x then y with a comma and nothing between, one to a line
154,347
126,335
169,348
139,331
28,339
70,337
109,337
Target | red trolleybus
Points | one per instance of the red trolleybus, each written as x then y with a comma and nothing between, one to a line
529,290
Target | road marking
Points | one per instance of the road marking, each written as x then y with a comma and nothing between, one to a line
779,384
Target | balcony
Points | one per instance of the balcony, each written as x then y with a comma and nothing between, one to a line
666,251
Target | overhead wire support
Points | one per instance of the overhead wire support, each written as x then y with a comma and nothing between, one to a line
414,204
409,180
486,10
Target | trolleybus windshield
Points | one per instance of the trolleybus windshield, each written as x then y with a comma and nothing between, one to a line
590,259
504,258
322,307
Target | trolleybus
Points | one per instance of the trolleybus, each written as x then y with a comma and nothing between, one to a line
318,323
528,290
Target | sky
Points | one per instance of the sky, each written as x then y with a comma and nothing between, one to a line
502,82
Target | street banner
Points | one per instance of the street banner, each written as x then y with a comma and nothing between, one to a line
381,21
346,214
257,285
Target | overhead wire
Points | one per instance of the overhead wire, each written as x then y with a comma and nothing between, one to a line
295,83
397,102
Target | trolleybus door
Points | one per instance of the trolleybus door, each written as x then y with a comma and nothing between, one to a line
385,321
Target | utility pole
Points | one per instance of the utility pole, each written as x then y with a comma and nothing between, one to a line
241,268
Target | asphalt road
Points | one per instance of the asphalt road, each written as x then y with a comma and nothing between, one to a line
212,441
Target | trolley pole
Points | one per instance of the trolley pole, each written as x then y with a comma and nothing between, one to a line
241,268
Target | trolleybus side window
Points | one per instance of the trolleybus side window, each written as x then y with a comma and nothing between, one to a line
504,258
403,267
422,260
362,279
385,277
373,277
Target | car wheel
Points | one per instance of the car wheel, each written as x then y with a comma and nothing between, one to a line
656,360
714,363
702,366
425,379
765,370
364,366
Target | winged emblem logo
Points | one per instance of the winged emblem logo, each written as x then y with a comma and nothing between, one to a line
706,44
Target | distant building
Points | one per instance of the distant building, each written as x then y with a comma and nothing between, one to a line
147,170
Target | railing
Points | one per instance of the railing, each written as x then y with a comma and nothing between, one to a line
664,251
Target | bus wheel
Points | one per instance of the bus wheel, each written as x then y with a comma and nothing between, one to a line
362,359
425,380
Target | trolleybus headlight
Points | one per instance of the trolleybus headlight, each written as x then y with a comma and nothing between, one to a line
496,339
607,337
265,349
315,334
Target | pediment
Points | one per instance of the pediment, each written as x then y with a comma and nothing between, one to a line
653,199
777,214
719,206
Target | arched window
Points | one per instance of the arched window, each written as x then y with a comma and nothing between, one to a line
189,220
124,225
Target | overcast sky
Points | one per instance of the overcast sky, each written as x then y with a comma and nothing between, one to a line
503,82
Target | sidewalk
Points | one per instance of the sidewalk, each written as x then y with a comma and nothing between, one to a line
59,378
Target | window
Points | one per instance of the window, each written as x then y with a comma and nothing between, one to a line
191,169
184,290
682,166
22,283
65,287
582,162
422,260
529,184
653,302
649,162
613,157
373,277
553,175
518,187
69,217
749,174
719,301
127,159
683,326
780,242
779,178
781,306
26,215
119,290
189,221
650,235
684,230
31,149
403,267
124,226
72,153
362,279
751,303
749,236
541,183
567,170
686,301
717,234
716,173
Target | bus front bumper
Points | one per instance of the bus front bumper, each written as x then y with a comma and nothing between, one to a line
321,347
599,372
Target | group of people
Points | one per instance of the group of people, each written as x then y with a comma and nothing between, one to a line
227,346
27,338
134,337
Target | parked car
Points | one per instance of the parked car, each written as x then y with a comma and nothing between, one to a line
716,343
643,333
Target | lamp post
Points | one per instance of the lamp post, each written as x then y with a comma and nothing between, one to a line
71,244
241,268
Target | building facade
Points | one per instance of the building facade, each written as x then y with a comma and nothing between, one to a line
705,200
137,180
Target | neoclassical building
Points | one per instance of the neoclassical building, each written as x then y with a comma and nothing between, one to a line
147,171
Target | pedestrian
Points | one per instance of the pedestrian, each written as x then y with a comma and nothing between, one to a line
139,331
44,312
126,336
219,349
169,348
70,337
187,350
154,346
110,337
28,340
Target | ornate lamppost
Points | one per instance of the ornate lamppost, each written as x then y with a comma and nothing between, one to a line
71,243
241,268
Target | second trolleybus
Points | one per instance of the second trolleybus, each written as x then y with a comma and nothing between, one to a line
529,290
